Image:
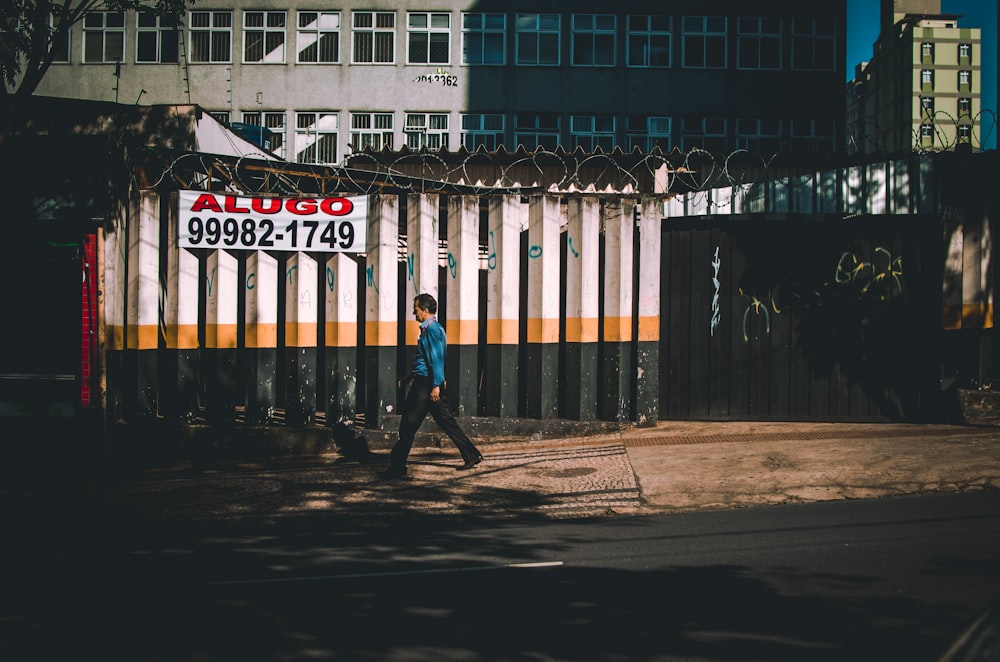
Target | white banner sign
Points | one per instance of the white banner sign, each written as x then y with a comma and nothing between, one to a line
218,220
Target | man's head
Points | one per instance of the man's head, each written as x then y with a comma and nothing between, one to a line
424,307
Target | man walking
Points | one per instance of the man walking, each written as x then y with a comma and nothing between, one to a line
426,381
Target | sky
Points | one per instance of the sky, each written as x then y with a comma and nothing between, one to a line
863,29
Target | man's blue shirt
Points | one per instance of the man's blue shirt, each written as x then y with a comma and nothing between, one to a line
432,347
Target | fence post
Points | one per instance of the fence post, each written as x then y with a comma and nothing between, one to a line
503,282
381,308
647,362
462,325
341,339
614,403
261,331
300,339
422,234
142,315
543,307
180,401
112,289
582,292
222,290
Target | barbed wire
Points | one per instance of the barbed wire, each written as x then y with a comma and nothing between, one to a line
618,173
880,137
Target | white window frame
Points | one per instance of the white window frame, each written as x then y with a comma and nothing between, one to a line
274,120
415,31
964,133
758,31
373,130
428,130
965,78
809,31
967,103
214,28
653,132
491,27
314,130
476,132
596,28
537,28
272,33
324,28
701,132
711,31
161,31
927,50
927,77
103,28
375,30
964,52
643,37
592,131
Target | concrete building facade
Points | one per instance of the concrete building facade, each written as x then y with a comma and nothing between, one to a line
921,91
721,75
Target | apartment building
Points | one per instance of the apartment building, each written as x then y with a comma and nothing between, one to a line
330,80
921,91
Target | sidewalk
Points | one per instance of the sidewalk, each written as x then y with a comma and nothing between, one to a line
674,467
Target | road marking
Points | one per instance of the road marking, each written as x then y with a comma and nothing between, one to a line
397,573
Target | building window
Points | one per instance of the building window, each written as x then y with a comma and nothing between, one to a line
965,53
648,132
927,79
594,40
428,38
318,37
372,130
264,36
374,37
316,137
965,80
486,130
708,133
592,131
222,116
538,39
812,136
926,134
814,44
648,40
536,130
927,105
156,38
964,133
211,36
704,42
104,36
275,121
964,107
428,130
760,136
60,47
927,52
759,43
484,38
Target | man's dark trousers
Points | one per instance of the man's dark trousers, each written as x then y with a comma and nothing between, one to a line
418,402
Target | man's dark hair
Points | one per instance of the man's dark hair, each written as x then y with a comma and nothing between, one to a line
426,302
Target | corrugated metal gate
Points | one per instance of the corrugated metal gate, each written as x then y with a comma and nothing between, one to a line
782,320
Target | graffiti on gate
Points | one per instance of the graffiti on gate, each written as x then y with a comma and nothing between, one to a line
856,279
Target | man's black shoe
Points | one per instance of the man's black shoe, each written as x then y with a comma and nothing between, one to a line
469,463
393,473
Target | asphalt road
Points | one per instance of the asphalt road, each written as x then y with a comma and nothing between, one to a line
884,579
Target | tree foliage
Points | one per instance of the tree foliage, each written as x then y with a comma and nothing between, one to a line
30,29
